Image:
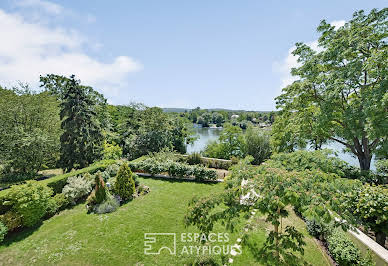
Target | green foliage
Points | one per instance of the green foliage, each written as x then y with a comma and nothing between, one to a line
154,166
231,143
29,132
61,201
234,143
343,251
216,163
112,169
340,92
30,200
369,206
11,220
112,151
382,168
314,228
273,190
125,185
194,158
257,144
57,183
81,141
151,130
3,231
77,187
311,160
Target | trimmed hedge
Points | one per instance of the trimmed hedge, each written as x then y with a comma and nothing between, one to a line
176,169
57,183
344,251
340,246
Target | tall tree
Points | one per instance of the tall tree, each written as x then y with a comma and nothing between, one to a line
344,82
29,130
81,141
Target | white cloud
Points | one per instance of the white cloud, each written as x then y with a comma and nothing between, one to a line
46,6
32,49
338,23
284,67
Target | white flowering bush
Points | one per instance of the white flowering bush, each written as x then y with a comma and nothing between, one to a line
77,187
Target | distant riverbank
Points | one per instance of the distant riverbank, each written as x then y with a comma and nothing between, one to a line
207,134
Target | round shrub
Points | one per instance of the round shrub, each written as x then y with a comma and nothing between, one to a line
125,185
112,151
315,228
3,231
31,201
11,220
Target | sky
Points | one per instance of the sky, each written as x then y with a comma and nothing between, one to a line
212,54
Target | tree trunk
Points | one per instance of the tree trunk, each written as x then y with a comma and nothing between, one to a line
380,238
364,161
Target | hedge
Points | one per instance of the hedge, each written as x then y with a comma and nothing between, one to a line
176,169
340,246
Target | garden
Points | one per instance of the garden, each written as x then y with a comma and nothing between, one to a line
84,182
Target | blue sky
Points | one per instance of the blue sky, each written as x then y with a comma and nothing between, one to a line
227,54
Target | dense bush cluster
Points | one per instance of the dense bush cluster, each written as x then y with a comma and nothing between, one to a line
31,201
173,168
233,142
339,245
112,151
325,161
26,205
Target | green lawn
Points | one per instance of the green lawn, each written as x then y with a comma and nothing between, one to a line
74,237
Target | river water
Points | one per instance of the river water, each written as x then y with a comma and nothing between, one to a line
206,134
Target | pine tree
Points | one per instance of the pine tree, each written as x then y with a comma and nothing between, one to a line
81,141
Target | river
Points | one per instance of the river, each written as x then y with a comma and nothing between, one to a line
206,134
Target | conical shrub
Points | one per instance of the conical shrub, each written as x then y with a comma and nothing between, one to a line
125,185
100,189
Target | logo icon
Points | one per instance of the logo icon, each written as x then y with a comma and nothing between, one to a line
154,243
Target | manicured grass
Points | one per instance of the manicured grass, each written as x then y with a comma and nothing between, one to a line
74,237
313,253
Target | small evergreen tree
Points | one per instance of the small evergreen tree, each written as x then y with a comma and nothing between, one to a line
81,141
125,185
